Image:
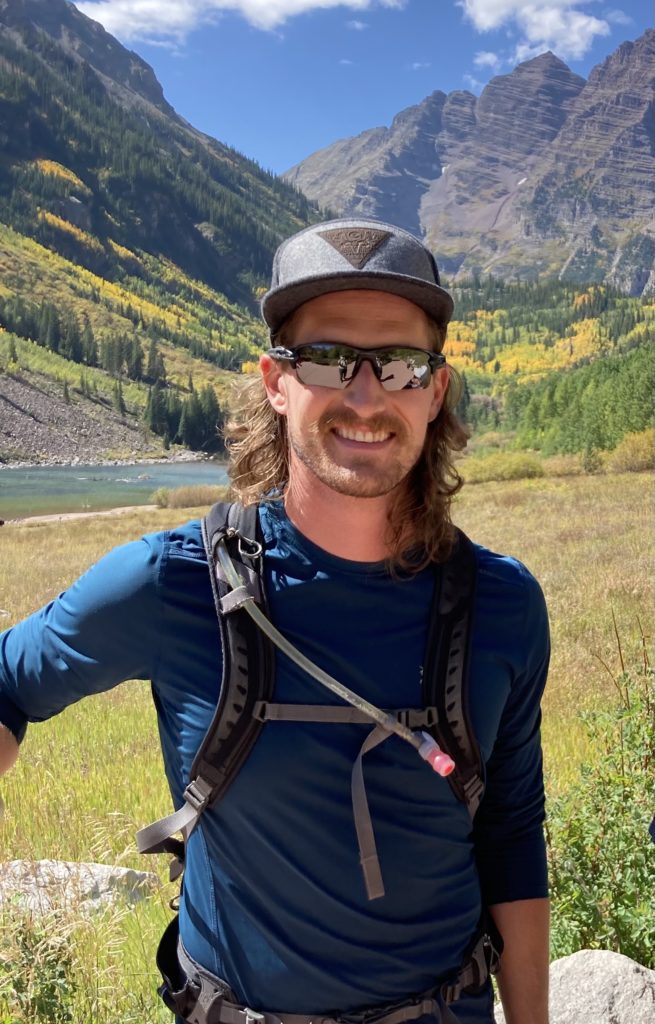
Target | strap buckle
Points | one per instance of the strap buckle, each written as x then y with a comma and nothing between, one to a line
451,991
253,1016
417,718
198,793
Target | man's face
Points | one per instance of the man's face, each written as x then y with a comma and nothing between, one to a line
361,441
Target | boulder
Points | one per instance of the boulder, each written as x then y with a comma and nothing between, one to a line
596,986
42,886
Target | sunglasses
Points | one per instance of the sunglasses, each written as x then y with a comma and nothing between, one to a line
327,364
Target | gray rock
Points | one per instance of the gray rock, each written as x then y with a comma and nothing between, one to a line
42,886
596,986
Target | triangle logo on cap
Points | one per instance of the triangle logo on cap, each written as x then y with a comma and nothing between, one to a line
357,245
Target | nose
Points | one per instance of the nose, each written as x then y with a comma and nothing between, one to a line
364,394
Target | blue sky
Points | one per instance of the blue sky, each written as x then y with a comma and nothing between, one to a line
278,79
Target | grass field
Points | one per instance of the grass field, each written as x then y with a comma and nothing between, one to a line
589,540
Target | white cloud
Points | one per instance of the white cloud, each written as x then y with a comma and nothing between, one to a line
617,17
558,25
140,19
357,26
486,59
344,60
472,83
420,65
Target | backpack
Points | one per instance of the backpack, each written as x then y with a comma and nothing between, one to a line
244,702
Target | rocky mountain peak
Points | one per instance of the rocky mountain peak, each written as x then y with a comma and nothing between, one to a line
543,172
80,37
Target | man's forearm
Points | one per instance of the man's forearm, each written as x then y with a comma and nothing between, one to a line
8,749
523,976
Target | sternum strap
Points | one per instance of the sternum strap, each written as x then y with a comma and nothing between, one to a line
413,718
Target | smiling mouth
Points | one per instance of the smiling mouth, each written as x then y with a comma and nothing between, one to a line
363,436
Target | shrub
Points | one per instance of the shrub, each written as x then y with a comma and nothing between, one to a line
36,972
563,465
602,862
189,497
592,460
502,466
634,453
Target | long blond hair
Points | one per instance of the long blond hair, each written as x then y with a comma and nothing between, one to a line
420,529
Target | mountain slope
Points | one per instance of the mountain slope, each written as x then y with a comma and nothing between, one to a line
543,173
140,176
132,247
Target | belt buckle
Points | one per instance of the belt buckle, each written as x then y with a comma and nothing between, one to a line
253,1016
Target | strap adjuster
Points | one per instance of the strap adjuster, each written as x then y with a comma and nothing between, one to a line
451,991
417,718
198,793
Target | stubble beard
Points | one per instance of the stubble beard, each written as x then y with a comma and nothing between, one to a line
364,476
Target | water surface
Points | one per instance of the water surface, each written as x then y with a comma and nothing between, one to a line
40,490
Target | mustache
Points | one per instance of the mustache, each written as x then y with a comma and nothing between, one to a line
349,419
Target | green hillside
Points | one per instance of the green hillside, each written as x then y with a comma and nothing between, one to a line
103,184
557,368
132,247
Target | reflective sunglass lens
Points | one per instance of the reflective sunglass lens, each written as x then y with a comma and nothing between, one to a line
334,366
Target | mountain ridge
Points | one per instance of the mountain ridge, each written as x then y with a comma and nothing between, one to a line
543,174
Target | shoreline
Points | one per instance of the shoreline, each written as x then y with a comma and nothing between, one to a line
62,517
79,463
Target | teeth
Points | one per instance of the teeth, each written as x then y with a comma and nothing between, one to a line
360,435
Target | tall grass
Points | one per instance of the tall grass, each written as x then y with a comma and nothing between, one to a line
87,779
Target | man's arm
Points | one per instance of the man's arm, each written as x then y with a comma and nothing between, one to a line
523,976
8,749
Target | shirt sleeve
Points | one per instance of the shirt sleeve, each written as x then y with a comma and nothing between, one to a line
99,632
509,838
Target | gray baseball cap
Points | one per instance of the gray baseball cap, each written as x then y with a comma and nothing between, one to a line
353,253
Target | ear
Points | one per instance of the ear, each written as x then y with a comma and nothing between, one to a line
275,383
440,381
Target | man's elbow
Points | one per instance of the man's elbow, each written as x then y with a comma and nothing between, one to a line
8,749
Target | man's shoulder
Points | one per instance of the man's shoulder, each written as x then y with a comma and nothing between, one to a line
506,576
183,541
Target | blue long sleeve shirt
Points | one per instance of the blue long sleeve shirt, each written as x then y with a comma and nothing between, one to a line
274,899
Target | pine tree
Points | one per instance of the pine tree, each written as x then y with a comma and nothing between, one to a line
212,420
89,346
192,426
155,369
118,400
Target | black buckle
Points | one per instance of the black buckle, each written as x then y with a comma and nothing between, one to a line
417,718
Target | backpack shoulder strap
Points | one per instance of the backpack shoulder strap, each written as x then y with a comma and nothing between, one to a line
446,669
248,656
247,678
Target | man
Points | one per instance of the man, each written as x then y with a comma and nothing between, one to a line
346,443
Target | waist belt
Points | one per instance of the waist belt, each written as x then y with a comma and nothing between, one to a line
200,997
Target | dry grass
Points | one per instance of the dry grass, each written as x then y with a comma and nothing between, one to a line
589,541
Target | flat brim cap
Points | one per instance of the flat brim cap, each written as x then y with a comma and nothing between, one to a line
351,253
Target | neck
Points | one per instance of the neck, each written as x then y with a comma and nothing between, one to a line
349,527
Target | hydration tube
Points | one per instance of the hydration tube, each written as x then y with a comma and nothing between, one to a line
426,745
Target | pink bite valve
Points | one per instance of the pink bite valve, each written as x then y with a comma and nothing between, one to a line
431,752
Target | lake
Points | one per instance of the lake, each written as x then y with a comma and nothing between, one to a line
40,490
